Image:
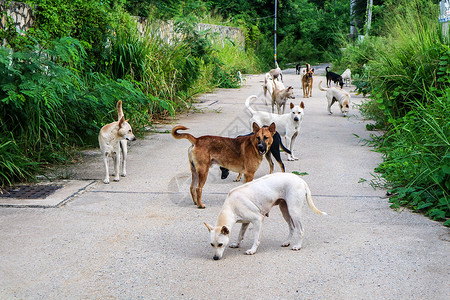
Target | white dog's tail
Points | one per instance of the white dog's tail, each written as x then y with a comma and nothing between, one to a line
311,203
321,87
247,104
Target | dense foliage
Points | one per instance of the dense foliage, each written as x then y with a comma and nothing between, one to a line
406,73
60,82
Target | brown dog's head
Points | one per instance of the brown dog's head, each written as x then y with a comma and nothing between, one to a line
263,137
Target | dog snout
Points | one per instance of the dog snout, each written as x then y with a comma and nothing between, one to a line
262,147
296,119
216,257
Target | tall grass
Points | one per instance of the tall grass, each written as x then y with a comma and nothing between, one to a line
406,73
53,99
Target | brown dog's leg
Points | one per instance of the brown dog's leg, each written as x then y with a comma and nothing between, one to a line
194,173
202,176
249,175
269,160
194,183
238,178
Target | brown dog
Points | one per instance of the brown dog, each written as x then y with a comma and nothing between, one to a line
307,82
243,154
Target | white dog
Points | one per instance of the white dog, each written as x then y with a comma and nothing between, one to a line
347,76
337,95
251,202
112,138
287,125
269,85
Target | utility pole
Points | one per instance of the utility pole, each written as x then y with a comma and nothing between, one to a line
275,34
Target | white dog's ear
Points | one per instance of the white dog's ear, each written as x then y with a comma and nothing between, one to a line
208,226
255,127
225,230
302,105
291,105
121,121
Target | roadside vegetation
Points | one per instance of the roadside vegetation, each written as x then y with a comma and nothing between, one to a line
61,80
405,71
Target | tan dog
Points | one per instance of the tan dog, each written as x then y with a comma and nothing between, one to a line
242,155
251,203
307,82
112,139
269,85
279,97
337,95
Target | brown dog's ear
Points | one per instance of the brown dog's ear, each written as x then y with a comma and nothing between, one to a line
272,128
208,226
255,127
291,105
312,70
225,230
302,105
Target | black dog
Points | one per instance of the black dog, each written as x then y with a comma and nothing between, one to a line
274,150
336,78
298,67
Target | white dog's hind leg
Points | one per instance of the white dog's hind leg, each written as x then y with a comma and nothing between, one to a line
123,146
287,218
241,236
298,225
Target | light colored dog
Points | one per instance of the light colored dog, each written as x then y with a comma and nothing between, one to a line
337,95
275,73
269,85
347,77
279,97
112,139
288,125
251,202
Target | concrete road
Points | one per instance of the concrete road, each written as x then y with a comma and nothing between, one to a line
142,237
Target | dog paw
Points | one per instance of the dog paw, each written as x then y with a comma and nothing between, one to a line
234,245
297,248
106,181
291,158
202,206
250,252
116,179
123,174
286,244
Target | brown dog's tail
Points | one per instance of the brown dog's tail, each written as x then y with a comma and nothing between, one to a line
322,88
119,110
179,136
311,203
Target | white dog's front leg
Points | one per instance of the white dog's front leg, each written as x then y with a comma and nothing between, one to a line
123,145
105,161
241,236
257,227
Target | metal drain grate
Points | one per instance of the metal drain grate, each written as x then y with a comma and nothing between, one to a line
29,191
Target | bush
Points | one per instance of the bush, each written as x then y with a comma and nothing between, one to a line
406,72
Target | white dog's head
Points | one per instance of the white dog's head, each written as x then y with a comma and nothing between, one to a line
125,131
219,237
297,112
345,106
